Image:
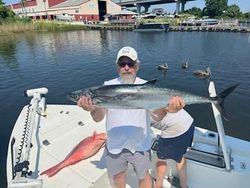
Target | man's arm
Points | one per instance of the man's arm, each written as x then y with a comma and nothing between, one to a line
97,113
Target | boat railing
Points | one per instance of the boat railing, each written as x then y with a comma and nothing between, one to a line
220,128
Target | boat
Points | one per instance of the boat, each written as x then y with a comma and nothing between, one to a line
149,16
151,27
45,133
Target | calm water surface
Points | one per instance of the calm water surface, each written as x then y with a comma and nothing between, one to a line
66,61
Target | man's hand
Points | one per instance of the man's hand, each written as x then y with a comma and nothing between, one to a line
86,103
175,104
97,113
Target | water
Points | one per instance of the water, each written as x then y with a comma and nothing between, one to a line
67,61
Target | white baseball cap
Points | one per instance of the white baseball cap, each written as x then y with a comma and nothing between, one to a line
128,52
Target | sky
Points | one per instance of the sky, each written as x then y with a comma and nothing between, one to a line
243,4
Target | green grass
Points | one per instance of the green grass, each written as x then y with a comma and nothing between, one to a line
17,26
57,26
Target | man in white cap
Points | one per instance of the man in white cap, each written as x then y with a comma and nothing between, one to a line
128,130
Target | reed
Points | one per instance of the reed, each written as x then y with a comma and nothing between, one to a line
16,27
57,26
13,26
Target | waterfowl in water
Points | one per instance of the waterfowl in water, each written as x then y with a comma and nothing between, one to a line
163,66
184,65
203,73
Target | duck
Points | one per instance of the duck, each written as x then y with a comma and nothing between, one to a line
163,66
184,65
203,73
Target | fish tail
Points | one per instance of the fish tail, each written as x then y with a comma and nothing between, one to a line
53,170
219,100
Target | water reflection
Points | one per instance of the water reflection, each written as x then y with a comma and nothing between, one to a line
71,60
8,51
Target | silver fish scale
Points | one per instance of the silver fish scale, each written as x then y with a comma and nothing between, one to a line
144,97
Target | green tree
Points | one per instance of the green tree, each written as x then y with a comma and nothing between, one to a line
233,11
194,11
2,10
247,15
215,8
5,12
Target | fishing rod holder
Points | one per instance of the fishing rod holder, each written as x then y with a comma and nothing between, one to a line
38,94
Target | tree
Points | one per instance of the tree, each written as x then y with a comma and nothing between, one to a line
194,11
2,10
247,15
215,8
5,12
233,11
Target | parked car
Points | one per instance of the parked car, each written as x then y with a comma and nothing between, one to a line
64,17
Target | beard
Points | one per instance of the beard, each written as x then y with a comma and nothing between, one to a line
127,78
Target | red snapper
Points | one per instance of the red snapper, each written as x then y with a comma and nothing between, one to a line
85,149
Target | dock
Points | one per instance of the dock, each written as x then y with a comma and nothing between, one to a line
116,27
130,27
215,28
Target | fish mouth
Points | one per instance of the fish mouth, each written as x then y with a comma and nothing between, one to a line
73,97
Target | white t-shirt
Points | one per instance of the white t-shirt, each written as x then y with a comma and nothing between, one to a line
127,128
174,124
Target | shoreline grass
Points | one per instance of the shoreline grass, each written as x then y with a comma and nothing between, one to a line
7,28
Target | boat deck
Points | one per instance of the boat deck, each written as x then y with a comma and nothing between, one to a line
66,125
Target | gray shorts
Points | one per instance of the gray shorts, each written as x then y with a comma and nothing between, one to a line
117,163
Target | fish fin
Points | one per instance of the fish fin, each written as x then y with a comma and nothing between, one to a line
219,100
94,135
150,82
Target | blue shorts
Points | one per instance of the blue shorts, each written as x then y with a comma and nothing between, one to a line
174,148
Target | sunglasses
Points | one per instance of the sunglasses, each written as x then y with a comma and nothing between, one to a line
123,64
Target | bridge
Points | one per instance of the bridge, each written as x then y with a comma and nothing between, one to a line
146,4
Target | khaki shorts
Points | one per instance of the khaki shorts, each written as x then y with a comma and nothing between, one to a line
117,163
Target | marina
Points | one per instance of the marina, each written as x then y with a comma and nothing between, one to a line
166,28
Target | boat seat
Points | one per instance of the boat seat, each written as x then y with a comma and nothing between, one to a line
200,156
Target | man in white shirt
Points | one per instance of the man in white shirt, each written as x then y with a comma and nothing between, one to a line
128,130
